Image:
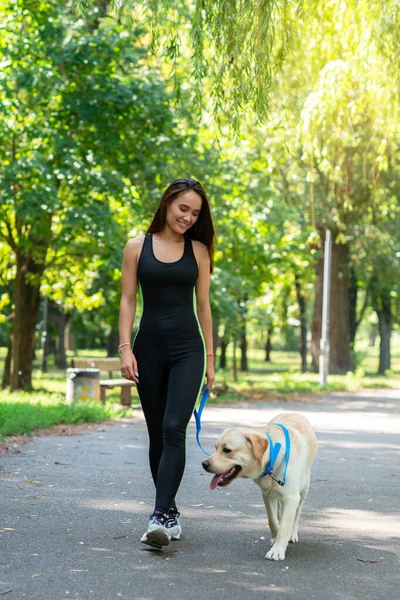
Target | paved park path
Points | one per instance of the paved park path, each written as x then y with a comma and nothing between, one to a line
72,510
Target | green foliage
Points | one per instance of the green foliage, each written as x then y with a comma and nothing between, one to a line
90,136
234,47
85,132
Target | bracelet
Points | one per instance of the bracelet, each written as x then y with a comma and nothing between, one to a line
125,344
211,354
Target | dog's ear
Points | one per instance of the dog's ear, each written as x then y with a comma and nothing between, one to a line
258,444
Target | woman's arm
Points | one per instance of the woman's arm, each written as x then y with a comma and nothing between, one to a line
204,309
127,309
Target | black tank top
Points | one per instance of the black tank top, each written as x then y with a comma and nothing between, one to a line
167,290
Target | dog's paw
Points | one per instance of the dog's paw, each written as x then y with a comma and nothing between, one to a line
294,537
276,553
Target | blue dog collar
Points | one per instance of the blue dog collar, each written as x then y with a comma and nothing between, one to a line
274,450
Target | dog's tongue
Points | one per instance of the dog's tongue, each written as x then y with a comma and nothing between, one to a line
215,481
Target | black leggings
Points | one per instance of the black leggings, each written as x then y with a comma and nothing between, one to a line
171,370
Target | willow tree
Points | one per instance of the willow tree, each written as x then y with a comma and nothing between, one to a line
329,140
347,123
222,54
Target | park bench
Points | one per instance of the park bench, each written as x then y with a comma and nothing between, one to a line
108,365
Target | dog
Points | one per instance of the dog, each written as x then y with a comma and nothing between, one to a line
246,452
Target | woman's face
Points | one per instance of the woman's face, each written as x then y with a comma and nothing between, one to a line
184,211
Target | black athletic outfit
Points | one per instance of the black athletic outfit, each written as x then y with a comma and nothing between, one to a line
171,355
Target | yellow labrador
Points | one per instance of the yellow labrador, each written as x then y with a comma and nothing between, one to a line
246,452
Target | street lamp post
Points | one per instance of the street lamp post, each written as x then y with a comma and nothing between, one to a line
324,342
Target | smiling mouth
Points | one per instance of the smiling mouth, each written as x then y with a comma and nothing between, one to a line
225,478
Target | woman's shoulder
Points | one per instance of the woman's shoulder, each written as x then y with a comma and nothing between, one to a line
200,251
136,241
134,245
199,246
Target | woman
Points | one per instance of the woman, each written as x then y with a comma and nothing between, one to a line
173,347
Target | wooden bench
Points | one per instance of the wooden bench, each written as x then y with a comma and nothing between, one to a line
108,365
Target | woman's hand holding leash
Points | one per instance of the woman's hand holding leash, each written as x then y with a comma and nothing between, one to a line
210,375
129,368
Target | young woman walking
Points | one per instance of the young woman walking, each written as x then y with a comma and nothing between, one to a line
173,348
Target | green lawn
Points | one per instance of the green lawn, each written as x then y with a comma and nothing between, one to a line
22,412
283,375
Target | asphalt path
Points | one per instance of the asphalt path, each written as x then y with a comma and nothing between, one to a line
73,508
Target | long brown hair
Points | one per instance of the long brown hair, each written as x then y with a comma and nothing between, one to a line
203,230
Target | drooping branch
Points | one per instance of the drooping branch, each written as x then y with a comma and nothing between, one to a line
235,47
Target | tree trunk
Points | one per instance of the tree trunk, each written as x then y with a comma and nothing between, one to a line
26,308
243,336
243,348
69,337
234,366
113,343
7,365
385,331
373,332
61,358
353,293
339,330
268,344
222,358
303,323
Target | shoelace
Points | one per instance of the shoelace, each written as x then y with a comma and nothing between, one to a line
172,517
160,520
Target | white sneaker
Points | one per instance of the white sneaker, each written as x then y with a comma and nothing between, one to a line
157,534
173,525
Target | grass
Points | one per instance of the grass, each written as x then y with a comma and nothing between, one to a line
283,376
23,412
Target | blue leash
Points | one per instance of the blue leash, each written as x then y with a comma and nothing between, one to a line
273,455
197,416
274,448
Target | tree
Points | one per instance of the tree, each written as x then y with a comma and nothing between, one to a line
332,141
81,113
233,48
